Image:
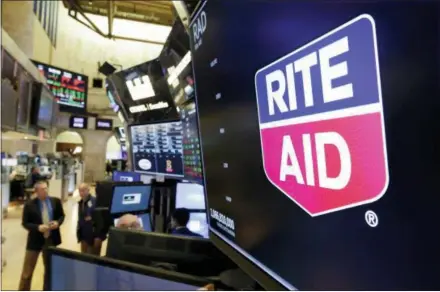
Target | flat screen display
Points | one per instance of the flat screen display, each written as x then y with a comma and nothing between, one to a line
198,224
157,148
45,109
24,102
104,124
69,274
190,196
125,175
143,220
144,94
192,158
69,88
120,134
8,106
77,122
111,95
128,199
320,102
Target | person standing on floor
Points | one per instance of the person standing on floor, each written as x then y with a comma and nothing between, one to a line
42,218
87,235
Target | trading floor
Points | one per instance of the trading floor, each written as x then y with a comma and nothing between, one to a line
13,249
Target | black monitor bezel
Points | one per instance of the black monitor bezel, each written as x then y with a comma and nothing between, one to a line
117,264
170,176
147,210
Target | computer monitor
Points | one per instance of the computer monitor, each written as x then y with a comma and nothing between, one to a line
129,199
324,175
143,219
193,255
157,148
74,271
104,192
192,153
190,196
198,223
126,176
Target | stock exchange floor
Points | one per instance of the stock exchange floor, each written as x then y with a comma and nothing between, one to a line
13,249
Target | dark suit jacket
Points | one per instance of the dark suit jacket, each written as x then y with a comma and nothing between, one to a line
184,231
32,219
86,230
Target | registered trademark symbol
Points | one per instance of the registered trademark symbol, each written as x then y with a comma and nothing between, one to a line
371,218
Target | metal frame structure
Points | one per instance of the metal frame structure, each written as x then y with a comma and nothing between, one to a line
163,8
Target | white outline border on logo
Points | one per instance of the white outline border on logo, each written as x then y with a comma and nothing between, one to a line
376,57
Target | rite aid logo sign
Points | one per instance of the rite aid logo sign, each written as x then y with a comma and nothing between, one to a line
321,121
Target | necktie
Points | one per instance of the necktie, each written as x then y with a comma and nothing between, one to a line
45,217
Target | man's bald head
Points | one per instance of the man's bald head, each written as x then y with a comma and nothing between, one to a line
84,190
129,221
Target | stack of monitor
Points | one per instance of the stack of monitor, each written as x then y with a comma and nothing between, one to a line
132,199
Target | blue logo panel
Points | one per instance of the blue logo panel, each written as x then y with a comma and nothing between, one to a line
335,71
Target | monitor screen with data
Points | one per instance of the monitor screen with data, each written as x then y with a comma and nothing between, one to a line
157,148
69,88
318,124
128,199
192,157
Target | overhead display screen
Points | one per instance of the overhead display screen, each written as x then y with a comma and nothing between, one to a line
175,60
45,109
120,134
111,95
192,158
104,124
78,122
306,180
144,94
24,102
69,88
157,148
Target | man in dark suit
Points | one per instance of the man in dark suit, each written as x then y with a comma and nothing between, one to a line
87,229
179,220
42,218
